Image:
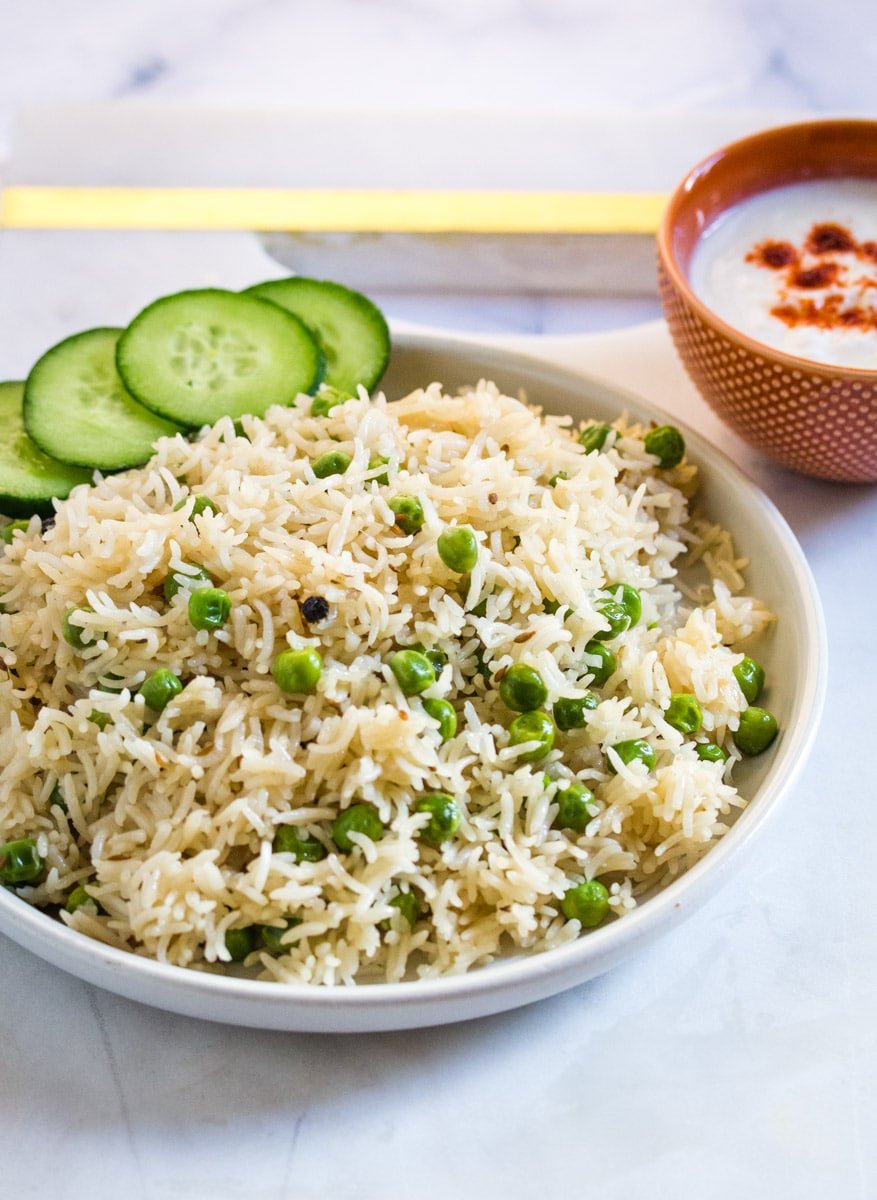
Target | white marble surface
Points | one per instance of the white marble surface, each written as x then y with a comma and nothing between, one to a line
735,1057
550,56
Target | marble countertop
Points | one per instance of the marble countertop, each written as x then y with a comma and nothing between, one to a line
733,1057
526,56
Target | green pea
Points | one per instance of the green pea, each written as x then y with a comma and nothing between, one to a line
436,657
594,437
480,609
413,671
756,731
202,505
550,606
209,608
272,936
240,942
573,713
556,479
434,654
409,513
522,688
298,671
532,727
572,807
710,752
375,461
359,818
109,688
635,748
615,614
101,719
750,675
12,528
326,399
606,663
458,549
587,903
20,862
445,817
683,713
442,711
335,462
408,905
630,600
75,634
667,444
79,898
287,840
159,688
56,799
176,581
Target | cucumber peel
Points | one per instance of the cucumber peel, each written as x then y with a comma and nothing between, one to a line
350,330
29,479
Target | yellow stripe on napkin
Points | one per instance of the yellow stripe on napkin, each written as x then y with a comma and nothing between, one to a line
316,210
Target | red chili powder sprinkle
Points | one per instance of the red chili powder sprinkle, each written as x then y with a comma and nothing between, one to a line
826,314
775,255
828,239
815,277
852,316
832,310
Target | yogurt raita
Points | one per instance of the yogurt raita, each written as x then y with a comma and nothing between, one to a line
796,268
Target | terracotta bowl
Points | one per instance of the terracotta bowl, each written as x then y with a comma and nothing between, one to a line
809,416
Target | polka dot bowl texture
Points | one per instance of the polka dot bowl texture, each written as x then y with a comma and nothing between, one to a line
812,417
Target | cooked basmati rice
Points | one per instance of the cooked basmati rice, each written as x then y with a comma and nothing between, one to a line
170,819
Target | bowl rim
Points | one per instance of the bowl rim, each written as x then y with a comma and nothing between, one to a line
38,931
669,263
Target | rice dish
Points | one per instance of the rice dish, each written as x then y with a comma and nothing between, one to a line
172,819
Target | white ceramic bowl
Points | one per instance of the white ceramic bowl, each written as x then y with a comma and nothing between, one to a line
795,656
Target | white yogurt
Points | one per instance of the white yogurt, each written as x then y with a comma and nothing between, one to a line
819,305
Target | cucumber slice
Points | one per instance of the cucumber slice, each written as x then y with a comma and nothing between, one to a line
197,356
29,479
76,408
350,330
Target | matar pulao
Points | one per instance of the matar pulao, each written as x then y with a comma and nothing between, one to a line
372,690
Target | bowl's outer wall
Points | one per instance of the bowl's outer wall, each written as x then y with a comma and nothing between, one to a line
821,424
795,656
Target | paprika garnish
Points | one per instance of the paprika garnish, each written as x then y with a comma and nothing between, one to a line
825,239
826,242
773,254
816,277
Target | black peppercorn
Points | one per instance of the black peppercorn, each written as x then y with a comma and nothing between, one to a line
314,609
